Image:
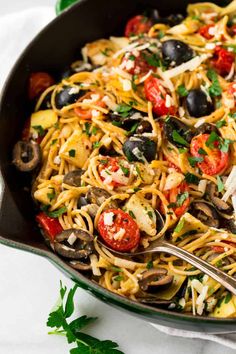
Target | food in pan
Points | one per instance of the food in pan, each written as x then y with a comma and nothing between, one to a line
144,123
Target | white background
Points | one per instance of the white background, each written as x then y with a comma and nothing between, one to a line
29,288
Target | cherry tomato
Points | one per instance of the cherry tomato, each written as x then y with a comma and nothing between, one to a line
86,113
50,226
38,83
215,161
232,89
157,94
204,31
173,196
223,60
137,25
109,165
138,63
122,233
220,249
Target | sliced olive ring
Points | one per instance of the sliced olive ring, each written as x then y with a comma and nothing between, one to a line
216,200
74,244
26,155
73,178
206,213
98,196
80,265
155,279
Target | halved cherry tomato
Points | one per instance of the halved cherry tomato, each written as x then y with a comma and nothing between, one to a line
172,196
232,89
85,113
204,31
223,60
140,65
39,82
137,25
110,165
215,161
50,226
122,233
157,94
220,249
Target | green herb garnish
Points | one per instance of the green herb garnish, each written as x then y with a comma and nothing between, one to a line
39,129
228,297
54,141
201,151
178,138
220,184
215,88
119,278
181,198
123,109
125,170
71,329
51,195
149,265
96,144
87,128
131,214
221,123
56,213
191,178
194,160
182,91
180,225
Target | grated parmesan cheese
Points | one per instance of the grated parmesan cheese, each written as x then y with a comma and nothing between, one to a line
94,261
108,219
57,160
230,185
71,239
199,122
119,235
202,186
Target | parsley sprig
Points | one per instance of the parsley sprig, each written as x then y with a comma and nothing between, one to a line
215,88
85,344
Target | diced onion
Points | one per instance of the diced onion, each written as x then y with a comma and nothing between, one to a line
94,261
124,263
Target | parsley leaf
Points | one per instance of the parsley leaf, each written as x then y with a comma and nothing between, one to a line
194,160
87,128
201,151
221,123
51,195
181,198
39,130
179,226
178,138
149,265
213,137
123,110
125,170
191,178
96,144
182,91
85,344
56,213
220,184
215,88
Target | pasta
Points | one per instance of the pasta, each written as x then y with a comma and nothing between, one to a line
144,124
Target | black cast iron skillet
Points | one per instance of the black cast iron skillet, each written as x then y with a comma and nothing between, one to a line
52,50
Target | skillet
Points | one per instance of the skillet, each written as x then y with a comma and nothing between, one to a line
52,50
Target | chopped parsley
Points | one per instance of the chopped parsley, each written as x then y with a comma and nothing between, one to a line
194,160
131,57
123,109
191,178
131,214
182,91
104,162
119,278
215,88
201,151
94,130
125,170
179,226
56,213
150,214
220,184
221,123
181,198
178,138
96,144
87,128
72,153
51,195
228,297
54,141
149,265
106,51
39,129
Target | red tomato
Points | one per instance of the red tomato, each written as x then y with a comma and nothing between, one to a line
172,197
204,31
38,83
112,164
156,94
223,60
137,25
232,89
50,226
86,113
122,223
213,163
220,249
140,65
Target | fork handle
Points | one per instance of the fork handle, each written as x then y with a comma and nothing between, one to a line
226,280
